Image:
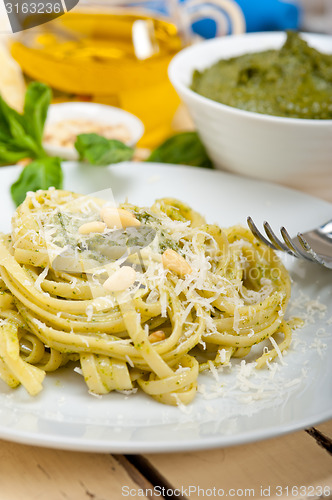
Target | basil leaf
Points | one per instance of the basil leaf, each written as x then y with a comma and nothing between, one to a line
9,156
184,148
39,174
12,122
13,150
21,134
25,144
4,128
98,150
37,100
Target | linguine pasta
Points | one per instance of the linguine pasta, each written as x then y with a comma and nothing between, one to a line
179,297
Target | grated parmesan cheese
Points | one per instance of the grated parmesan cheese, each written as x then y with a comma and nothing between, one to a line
276,347
319,346
89,312
94,394
129,361
222,355
40,279
213,370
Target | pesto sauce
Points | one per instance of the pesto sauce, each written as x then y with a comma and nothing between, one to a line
294,81
165,239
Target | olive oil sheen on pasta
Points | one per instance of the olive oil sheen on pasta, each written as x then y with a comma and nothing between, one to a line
119,59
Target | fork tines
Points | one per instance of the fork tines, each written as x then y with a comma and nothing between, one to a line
289,245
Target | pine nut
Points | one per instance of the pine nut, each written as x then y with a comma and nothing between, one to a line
117,218
120,280
176,263
157,336
92,227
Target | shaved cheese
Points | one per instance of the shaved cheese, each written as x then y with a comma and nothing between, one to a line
24,236
129,361
89,312
40,279
236,321
73,282
185,409
99,396
309,309
319,346
213,370
222,355
33,198
163,302
153,296
128,392
276,347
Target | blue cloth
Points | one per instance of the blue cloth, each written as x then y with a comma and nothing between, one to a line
260,15
270,15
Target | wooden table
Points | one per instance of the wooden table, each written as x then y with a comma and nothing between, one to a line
297,465
276,468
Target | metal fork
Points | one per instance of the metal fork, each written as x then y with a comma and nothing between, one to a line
314,245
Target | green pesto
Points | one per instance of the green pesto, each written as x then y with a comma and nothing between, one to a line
144,217
166,243
294,81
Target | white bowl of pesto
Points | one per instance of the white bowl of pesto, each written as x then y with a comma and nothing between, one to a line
283,149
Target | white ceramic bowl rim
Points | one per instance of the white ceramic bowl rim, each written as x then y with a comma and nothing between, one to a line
114,115
178,59
101,113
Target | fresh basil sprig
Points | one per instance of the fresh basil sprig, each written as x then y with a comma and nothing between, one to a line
184,148
37,100
39,174
21,134
98,150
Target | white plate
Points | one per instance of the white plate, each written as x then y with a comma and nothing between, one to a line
65,416
101,113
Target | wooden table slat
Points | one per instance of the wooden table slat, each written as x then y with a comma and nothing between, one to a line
291,460
32,473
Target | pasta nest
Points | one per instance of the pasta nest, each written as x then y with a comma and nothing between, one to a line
158,332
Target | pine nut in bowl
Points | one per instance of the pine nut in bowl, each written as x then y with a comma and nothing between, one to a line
67,120
276,148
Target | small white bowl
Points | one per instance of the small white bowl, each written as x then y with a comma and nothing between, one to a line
100,113
262,146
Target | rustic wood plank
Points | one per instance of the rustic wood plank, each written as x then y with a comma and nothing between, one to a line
31,473
325,428
162,487
260,469
323,435
140,476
